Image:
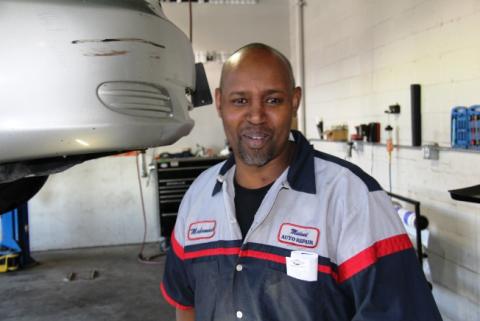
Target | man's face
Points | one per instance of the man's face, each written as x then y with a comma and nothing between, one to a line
256,104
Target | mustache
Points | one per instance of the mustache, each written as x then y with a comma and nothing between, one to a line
256,131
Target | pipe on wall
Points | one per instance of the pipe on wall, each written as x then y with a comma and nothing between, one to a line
301,65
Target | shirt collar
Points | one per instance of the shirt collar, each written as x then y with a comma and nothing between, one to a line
301,174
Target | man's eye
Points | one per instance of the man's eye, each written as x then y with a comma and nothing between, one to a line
274,101
239,101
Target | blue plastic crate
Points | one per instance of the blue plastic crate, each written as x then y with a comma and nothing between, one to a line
474,126
460,127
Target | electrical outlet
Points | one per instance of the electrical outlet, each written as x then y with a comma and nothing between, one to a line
431,151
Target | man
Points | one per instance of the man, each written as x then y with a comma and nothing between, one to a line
241,224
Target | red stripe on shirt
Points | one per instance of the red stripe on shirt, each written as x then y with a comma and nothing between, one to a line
264,256
212,252
370,255
281,259
328,270
179,252
171,301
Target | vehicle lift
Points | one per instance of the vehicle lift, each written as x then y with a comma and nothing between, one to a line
15,241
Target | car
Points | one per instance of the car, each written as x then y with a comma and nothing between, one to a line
82,79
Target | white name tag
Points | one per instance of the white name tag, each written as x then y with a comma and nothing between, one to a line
302,236
201,230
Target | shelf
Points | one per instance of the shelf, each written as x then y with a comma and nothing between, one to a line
440,148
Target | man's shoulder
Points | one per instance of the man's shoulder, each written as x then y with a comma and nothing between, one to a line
327,165
207,178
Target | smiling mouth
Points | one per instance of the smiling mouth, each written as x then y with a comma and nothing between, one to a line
255,140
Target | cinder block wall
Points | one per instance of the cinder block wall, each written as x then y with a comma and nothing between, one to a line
361,56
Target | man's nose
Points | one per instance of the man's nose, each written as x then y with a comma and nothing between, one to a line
256,112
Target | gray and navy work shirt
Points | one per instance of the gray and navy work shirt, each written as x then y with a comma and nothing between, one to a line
367,268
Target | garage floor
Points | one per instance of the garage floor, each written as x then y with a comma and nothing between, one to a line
123,290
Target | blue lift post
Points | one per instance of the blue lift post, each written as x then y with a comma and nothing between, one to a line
15,235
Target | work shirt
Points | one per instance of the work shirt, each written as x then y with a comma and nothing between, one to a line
367,269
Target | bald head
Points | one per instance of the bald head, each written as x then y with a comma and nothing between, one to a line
252,51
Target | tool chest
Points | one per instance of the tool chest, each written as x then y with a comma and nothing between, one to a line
175,175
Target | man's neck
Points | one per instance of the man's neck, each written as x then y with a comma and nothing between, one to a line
253,177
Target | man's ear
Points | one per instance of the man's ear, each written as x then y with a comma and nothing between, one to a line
296,98
218,101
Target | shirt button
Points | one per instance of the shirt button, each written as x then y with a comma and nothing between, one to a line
239,314
239,267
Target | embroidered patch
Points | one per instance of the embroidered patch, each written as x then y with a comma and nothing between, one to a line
201,230
302,236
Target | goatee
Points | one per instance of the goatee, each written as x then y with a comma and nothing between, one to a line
256,156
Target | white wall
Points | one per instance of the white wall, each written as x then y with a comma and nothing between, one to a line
361,57
98,203
92,204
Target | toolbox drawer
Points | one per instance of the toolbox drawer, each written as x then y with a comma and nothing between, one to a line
174,178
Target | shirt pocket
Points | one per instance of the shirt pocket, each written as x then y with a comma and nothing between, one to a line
295,299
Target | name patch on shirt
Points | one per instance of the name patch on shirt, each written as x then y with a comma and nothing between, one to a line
297,235
201,230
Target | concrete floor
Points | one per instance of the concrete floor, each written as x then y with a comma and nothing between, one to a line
124,289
